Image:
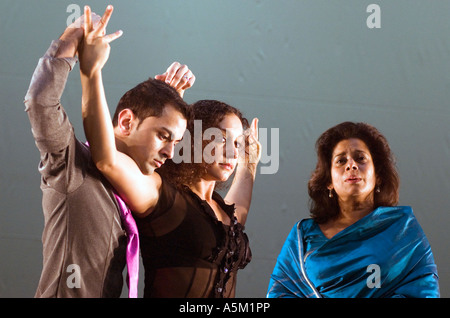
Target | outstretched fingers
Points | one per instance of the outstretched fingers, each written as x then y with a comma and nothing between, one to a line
96,24
95,50
113,36
87,19
104,20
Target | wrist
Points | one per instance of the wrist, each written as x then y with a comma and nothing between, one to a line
69,43
92,76
248,169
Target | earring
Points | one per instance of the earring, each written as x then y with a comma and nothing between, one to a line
377,190
330,193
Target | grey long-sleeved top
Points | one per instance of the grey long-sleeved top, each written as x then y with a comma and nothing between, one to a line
83,240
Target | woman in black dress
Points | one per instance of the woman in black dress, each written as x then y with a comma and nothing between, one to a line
193,242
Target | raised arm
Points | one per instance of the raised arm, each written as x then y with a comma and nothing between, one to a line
50,126
96,118
240,192
139,191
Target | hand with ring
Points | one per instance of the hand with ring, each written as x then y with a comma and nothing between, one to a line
178,76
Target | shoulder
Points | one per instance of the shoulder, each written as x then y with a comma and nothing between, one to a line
164,196
405,209
165,188
394,214
301,227
305,224
398,218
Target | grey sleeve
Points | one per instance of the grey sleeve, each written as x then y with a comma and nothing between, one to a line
50,126
53,133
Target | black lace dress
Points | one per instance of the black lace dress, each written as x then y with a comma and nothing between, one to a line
187,252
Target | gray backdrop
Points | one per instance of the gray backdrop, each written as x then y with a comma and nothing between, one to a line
299,66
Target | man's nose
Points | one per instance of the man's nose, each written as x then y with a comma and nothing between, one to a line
168,150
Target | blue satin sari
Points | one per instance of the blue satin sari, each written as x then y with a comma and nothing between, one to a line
385,254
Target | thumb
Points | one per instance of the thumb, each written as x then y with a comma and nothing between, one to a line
113,36
161,77
255,127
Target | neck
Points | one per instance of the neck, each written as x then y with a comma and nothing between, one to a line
120,143
121,146
353,210
204,189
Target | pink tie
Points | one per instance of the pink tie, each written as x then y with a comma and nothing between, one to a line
132,248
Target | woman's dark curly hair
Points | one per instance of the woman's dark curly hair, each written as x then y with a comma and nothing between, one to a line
324,208
211,113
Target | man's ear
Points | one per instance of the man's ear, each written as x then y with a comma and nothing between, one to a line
125,121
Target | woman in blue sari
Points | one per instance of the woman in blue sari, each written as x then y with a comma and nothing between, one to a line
358,242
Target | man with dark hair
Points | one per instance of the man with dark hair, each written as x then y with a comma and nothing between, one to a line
85,238
149,98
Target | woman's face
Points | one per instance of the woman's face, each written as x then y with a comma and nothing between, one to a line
352,170
225,149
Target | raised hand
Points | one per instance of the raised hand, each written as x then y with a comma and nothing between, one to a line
95,48
71,39
252,146
178,76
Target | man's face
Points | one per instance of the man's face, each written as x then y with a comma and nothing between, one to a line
152,141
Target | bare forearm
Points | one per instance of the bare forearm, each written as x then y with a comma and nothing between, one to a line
97,121
240,192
